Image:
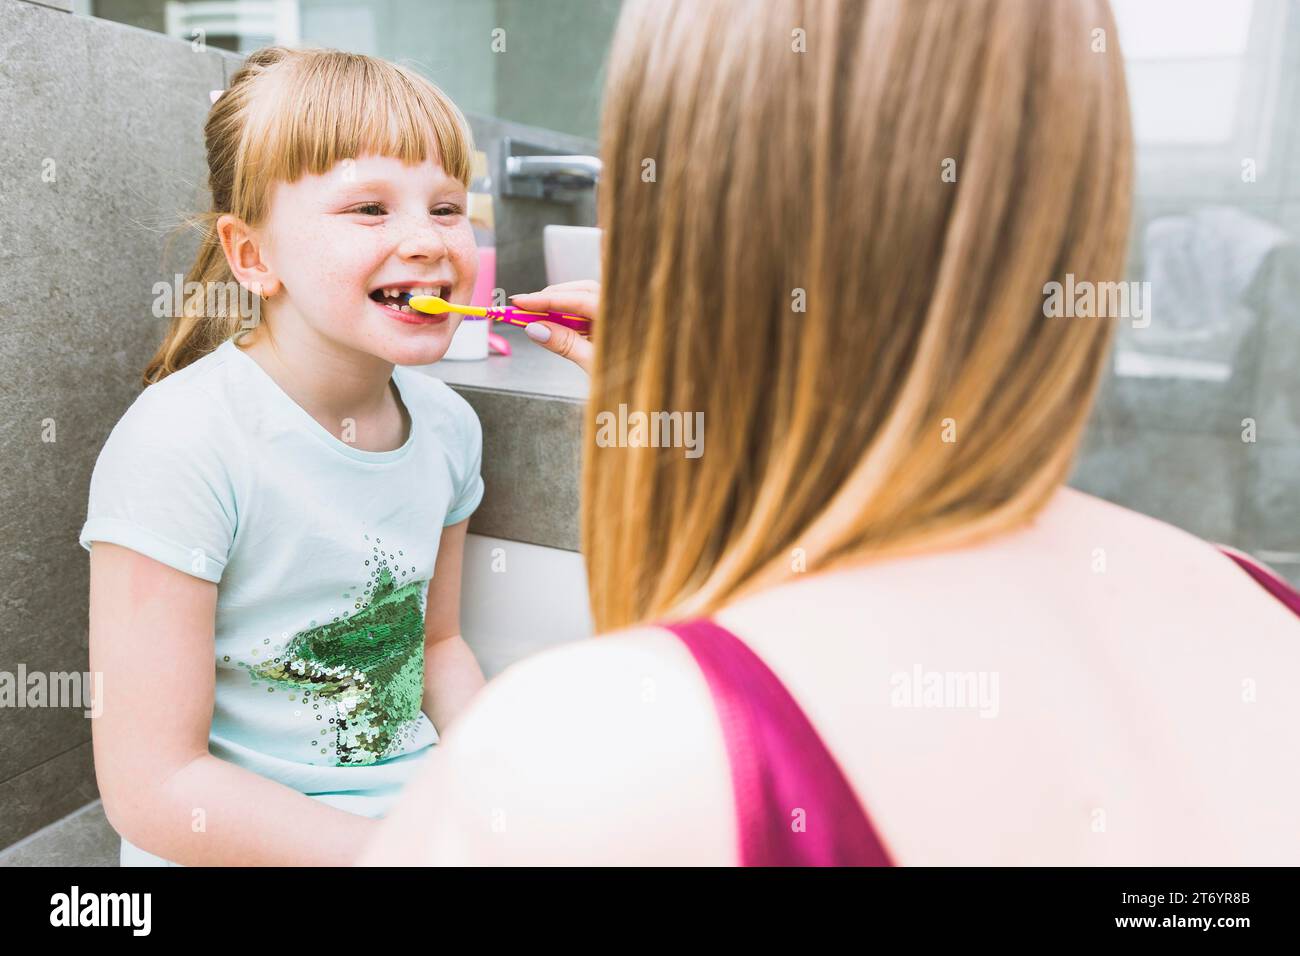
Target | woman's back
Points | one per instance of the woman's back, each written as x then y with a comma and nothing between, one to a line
888,367
1098,688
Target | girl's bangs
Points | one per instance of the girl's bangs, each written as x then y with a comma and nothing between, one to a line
344,106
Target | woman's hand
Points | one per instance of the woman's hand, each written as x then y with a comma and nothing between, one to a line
580,297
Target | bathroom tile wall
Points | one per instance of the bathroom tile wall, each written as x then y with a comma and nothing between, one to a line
101,153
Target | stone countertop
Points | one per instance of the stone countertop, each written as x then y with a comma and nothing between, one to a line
530,404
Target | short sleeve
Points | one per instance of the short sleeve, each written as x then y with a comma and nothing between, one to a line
467,467
164,483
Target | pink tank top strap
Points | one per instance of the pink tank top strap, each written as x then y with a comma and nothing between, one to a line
794,806
1267,578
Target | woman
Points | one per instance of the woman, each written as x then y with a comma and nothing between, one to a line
839,256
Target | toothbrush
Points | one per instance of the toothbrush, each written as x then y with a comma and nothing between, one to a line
433,305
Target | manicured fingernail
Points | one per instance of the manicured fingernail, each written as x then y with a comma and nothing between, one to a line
537,332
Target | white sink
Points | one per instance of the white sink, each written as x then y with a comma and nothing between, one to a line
572,252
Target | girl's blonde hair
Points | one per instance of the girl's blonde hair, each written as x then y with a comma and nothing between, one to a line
828,227
287,113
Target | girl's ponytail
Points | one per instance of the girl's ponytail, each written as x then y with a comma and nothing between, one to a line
212,308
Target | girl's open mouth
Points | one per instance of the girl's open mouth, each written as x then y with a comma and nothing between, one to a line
393,300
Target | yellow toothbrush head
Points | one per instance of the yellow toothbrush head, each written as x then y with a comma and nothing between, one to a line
430,304
436,305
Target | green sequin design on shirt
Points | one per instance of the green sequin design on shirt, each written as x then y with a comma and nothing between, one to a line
370,666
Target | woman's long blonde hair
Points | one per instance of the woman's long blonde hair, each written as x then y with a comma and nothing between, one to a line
910,173
290,112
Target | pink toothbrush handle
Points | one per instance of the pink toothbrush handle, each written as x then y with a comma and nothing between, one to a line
520,317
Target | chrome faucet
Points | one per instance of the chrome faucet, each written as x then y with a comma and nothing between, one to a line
534,172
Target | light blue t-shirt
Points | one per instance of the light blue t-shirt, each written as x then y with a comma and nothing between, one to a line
322,553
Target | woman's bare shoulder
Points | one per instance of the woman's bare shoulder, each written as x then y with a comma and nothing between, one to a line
1161,559
1079,554
602,751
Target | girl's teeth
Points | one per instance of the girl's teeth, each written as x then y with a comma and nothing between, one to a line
407,308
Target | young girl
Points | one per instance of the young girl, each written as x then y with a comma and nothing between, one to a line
276,501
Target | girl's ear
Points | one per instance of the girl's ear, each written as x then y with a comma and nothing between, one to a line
243,255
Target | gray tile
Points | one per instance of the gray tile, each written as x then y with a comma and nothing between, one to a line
230,64
1277,389
49,130
102,157
83,838
142,14
46,793
1186,479
30,736
116,122
532,458
1270,514
157,91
